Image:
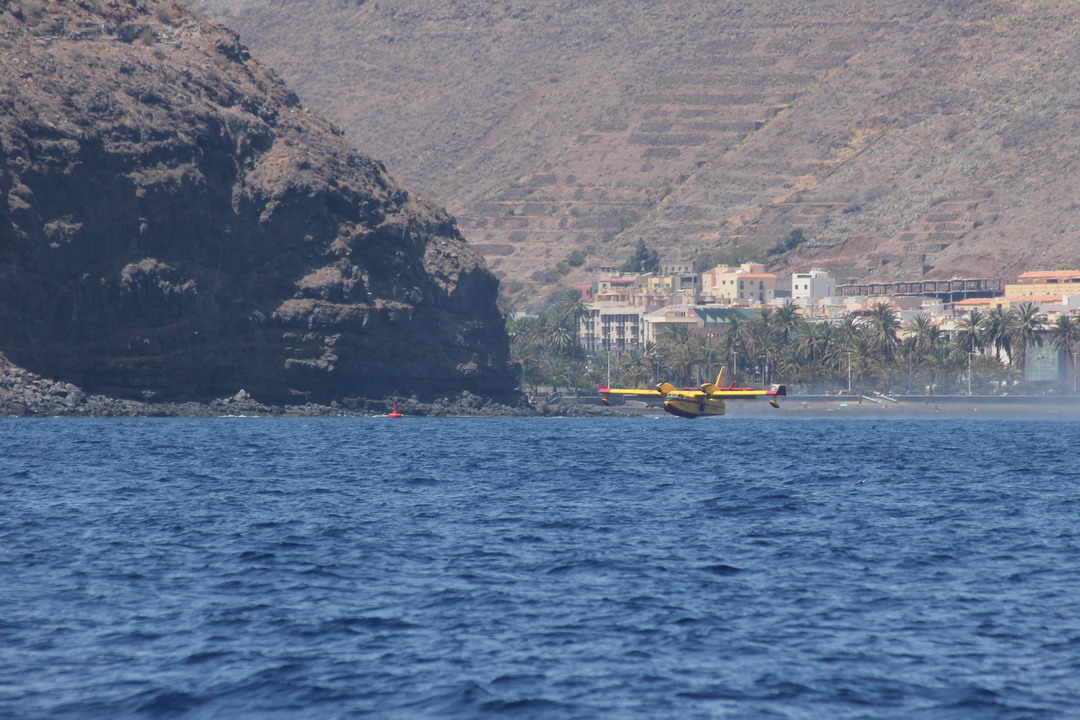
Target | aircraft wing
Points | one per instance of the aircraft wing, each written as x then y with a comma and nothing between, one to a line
740,393
629,391
772,393
622,393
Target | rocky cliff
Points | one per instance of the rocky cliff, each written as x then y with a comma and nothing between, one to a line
175,225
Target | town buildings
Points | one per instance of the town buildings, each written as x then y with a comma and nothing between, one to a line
748,283
1046,286
809,289
632,311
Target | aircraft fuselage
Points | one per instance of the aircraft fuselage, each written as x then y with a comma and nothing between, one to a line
692,405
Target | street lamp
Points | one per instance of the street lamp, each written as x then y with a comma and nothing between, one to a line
708,369
849,372
969,374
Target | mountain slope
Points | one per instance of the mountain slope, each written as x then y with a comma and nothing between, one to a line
175,225
905,139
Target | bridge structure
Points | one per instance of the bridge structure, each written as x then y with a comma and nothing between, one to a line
945,290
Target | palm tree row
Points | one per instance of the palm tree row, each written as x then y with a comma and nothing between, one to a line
987,351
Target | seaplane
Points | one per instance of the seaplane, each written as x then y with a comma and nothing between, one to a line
692,402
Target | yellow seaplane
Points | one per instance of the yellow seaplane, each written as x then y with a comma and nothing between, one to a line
695,402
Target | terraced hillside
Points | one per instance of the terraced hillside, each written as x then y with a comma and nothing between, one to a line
906,139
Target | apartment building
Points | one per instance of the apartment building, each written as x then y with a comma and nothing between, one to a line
613,327
749,284
616,320
1043,284
671,316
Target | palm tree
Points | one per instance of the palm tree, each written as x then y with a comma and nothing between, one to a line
758,343
786,321
927,335
527,331
675,334
884,326
996,330
969,332
555,371
635,367
791,368
560,337
1065,335
577,375
1024,330
986,369
527,357
950,361
654,353
910,354
848,328
570,312
866,360
733,346
683,358
812,347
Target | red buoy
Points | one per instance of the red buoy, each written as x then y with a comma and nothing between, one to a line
394,413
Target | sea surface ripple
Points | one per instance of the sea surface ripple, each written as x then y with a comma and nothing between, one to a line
539,568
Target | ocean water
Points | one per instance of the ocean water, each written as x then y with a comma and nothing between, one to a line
539,568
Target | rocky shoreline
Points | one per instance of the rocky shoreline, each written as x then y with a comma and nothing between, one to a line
27,394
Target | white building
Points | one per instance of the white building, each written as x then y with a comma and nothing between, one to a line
809,289
613,327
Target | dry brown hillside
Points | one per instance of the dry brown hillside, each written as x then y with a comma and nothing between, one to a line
905,139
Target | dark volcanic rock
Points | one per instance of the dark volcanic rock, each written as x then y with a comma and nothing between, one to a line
175,226
26,394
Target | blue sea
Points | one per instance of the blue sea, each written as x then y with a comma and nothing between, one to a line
539,568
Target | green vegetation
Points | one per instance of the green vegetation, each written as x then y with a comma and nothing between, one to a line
546,346
553,274
792,240
627,220
742,254
644,260
779,345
